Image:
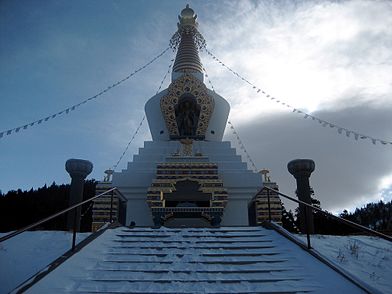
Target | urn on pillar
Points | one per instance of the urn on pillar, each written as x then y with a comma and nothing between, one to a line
301,169
78,169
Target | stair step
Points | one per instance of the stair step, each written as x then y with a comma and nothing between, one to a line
212,241
132,250
223,262
194,230
132,276
195,236
107,265
145,260
222,236
183,287
193,280
223,271
184,258
180,255
195,292
180,246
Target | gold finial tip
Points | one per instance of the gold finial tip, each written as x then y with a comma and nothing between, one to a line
187,12
187,17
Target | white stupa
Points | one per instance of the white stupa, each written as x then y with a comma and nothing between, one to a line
187,176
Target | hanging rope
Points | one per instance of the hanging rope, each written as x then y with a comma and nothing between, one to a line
242,146
73,107
208,79
165,76
129,143
144,117
234,131
341,130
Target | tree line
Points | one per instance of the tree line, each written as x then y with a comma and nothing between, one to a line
21,208
376,216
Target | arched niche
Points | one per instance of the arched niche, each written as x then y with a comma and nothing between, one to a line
187,113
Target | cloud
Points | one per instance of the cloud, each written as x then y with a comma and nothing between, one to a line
313,55
348,173
331,59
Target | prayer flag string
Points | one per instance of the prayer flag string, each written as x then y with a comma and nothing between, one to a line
341,130
74,107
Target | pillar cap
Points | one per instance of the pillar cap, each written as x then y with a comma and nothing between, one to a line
78,167
298,167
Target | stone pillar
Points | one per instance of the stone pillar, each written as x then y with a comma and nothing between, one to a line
78,169
301,169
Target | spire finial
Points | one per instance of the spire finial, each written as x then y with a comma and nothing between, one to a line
187,25
187,18
188,41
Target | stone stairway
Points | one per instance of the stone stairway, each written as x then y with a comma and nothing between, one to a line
222,260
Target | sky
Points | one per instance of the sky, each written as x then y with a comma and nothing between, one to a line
330,59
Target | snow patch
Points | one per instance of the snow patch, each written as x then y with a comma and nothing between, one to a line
365,257
26,254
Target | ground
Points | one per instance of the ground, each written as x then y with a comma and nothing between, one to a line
26,254
367,258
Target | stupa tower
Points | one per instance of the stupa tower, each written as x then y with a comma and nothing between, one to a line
187,176
187,109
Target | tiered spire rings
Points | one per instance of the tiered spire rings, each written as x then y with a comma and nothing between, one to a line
188,40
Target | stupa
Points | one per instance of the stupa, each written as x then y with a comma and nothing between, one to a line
187,176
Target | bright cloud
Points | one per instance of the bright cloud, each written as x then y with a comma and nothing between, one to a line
313,56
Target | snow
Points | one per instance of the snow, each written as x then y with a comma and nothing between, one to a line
367,258
173,261
26,254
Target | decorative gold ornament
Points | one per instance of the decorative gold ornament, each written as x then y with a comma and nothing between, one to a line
204,173
186,147
187,84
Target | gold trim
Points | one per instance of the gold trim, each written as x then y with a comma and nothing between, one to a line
187,83
161,186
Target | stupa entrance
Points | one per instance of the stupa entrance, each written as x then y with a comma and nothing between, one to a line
187,194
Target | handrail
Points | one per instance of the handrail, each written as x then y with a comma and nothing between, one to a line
31,226
350,223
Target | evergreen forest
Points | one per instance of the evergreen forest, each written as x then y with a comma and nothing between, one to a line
21,208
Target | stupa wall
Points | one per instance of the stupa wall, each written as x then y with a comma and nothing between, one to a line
134,181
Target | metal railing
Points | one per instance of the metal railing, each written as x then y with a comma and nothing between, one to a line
74,208
313,208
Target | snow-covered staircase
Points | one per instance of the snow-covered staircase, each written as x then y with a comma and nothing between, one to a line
222,260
